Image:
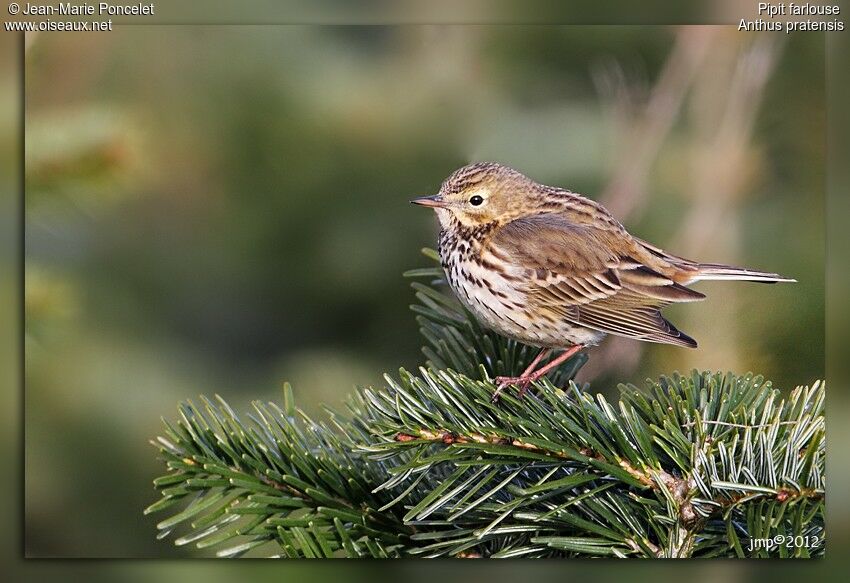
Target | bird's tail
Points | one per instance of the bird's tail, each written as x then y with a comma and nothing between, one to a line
720,271
690,271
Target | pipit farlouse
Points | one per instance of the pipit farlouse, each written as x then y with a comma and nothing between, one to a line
555,270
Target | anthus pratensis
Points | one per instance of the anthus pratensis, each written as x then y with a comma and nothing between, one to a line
553,269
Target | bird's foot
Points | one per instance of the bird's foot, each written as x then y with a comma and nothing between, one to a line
530,375
521,382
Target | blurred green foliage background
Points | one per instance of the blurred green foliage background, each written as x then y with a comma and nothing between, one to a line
220,209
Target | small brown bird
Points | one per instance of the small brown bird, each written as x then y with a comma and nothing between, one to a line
553,269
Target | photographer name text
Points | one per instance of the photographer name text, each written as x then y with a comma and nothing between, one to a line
98,9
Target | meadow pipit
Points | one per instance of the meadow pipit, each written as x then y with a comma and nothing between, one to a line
553,269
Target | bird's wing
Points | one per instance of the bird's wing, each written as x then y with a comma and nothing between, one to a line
588,276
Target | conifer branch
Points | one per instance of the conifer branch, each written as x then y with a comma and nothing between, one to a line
428,466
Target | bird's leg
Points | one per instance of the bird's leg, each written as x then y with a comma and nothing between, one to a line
530,375
557,362
530,368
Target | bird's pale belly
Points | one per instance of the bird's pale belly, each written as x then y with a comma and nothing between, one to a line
500,304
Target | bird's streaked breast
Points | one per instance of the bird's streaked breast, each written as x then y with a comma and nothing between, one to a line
493,288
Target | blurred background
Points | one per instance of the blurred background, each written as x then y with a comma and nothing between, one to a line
221,209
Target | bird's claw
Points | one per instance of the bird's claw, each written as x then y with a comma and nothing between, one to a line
502,383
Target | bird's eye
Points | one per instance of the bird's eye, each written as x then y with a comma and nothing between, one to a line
476,200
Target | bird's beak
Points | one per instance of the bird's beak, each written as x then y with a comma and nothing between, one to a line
435,201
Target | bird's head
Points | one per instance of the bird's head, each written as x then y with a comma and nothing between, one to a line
481,194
